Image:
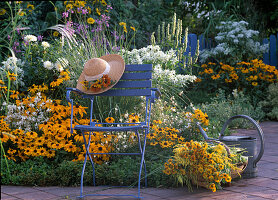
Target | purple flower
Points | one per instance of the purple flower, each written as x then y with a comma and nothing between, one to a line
85,11
109,7
115,48
18,31
9,37
114,33
65,14
40,38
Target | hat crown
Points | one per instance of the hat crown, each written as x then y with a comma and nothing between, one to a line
94,66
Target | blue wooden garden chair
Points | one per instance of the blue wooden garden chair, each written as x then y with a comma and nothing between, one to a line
136,81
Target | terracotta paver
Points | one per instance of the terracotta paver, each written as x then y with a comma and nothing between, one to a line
262,187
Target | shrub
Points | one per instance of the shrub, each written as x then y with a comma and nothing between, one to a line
222,107
234,44
250,77
122,171
270,105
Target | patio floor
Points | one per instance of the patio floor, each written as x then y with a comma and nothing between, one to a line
265,186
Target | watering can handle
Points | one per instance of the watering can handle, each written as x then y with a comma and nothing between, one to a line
260,131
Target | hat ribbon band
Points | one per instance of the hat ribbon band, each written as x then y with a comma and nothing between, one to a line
96,77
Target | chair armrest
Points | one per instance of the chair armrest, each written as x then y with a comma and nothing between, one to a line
71,103
69,91
155,94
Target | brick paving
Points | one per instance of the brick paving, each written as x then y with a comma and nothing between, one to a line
264,186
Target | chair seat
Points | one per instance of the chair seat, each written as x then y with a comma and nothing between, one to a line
98,128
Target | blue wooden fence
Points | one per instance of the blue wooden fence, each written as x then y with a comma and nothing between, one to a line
270,58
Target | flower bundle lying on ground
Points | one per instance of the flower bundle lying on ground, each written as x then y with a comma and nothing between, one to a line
202,162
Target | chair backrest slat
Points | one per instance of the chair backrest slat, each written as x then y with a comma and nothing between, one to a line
137,76
134,84
124,92
139,67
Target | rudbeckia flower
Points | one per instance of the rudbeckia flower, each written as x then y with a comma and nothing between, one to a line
109,119
91,20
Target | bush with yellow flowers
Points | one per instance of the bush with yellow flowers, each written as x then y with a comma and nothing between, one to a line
168,137
36,126
252,77
205,164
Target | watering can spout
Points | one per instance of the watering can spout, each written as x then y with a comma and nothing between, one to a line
203,132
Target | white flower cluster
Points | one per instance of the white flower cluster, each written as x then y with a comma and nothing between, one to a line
12,64
21,118
167,112
30,38
45,45
151,54
60,64
171,77
154,55
234,39
198,8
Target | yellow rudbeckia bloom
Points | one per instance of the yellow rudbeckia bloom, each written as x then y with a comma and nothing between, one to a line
90,20
2,11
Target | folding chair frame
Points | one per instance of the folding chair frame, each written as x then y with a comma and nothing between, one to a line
150,93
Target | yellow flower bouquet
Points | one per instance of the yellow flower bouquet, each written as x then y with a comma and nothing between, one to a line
204,164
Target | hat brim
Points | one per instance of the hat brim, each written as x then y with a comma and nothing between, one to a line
117,68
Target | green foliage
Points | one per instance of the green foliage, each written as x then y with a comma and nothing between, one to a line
224,106
20,16
145,15
238,10
122,171
36,172
270,105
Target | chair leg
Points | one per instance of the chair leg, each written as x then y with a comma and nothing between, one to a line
142,161
140,147
87,146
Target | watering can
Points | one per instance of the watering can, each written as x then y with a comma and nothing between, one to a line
246,142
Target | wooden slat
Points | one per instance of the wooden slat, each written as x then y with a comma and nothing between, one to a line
209,43
134,76
192,38
272,50
126,92
266,55
139,67
134,84
202,42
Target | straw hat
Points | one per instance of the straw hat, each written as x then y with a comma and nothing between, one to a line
101,74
